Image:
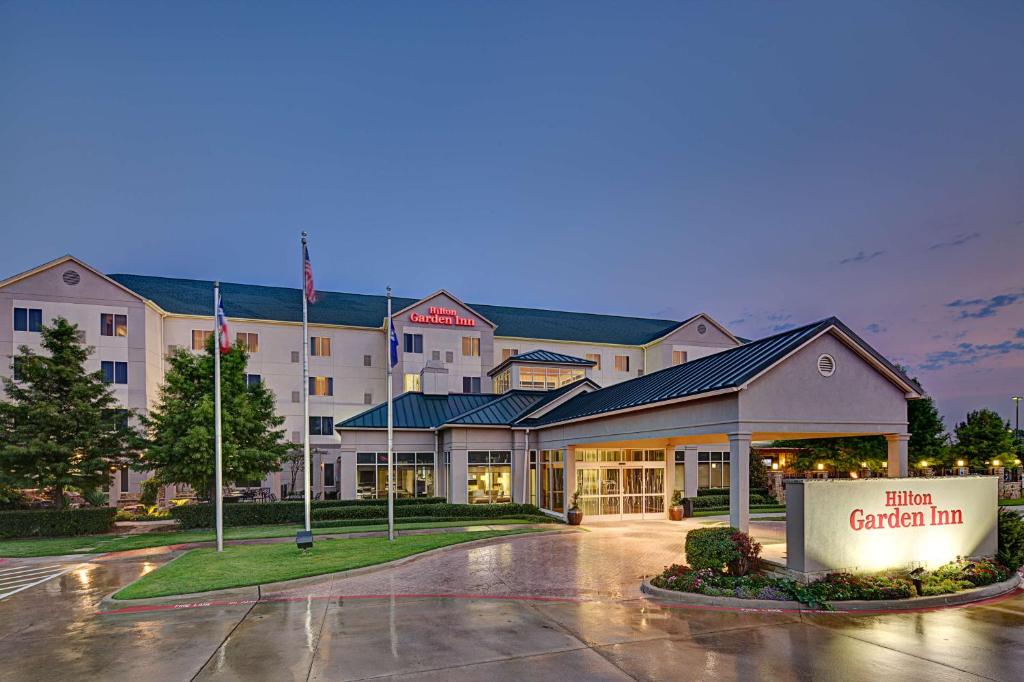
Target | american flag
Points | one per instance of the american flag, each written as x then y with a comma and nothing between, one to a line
307,271
222,326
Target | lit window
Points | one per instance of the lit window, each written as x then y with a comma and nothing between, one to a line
596,359
678,357
489,477
248,341
114,372
470,346
621,363
413,343
320,346
321,386
28,319
412,383
506,353
199,338
503,381
113,325
470,384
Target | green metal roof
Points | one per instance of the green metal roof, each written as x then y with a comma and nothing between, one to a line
723,370
194,297
542,357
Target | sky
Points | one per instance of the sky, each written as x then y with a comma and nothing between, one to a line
770,164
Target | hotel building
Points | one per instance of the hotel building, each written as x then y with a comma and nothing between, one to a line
494,403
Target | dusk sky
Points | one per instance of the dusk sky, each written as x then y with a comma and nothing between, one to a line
770,164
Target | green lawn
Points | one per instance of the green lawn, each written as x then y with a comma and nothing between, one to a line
1011,503
94,544
202,570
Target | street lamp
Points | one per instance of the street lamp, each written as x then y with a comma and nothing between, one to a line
1016,403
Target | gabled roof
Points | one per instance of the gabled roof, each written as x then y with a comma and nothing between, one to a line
512,406
418,411
68,258
542,357
726,370
249,301
443,292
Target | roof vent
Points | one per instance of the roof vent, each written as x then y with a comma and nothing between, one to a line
826,365
71,277
702,328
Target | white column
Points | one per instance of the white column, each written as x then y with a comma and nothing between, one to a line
569,472
346,475
459,477
896,444
690,471
739,481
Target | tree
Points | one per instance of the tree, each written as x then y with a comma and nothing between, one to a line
983,437
929,441
181,448
845,454
758,472
61,427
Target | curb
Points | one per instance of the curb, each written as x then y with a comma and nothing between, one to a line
912,604
254,593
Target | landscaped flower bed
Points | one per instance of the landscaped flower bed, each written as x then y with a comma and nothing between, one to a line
724,563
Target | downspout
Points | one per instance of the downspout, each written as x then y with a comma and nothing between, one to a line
526,468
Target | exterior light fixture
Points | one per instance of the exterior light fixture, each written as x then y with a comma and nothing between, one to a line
885,465
775,466
924,462
863,465
304,539
995,462
782,460
959,462
820,466
853,474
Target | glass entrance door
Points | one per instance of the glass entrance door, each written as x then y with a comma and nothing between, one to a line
621,484
643,491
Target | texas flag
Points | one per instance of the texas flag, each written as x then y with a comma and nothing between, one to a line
222,326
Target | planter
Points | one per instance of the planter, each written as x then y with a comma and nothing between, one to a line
675,513
574,517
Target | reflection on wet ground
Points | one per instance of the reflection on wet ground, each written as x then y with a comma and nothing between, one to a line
559,607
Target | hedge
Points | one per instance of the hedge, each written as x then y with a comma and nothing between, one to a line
48,523
712,501
342,523
448,511
704,492
711,548
267,513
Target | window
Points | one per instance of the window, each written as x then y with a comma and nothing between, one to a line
489,477
114,372
596,359
117,418
295,356
552,481
113,325
16,372
621,363
320,346
412,382
470,384
321,386
470,346
506,353
413,343
28,319
200,338
248,341
712,469
253,379
414,474
321,426
296,397
435,355
367,399
329,475
678,357
449,356
367,361
547,378
503,381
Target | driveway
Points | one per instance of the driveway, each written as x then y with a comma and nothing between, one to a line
561,607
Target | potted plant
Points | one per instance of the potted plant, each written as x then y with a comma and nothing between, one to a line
675,511
575,516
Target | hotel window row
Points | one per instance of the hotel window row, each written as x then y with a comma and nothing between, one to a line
413,343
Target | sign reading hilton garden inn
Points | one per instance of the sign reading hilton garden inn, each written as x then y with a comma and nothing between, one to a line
879,523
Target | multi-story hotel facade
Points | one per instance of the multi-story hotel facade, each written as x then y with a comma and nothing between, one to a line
495,403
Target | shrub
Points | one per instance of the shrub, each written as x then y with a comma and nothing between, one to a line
1011,539
711,548
450,511
748,553
705,492
150,492
722,501
342,523
52,523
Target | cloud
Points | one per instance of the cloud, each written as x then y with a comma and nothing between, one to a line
971,353
876,328
984,307
783,327
861,257
957,240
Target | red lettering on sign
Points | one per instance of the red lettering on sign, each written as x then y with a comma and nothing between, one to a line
447,317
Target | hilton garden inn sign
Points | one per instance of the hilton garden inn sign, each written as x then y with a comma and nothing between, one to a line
881,523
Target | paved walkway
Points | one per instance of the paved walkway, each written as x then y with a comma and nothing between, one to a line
542,608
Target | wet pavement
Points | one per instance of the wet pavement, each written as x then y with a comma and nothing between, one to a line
560,607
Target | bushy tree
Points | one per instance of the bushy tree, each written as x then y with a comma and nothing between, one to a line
984,436
60,426
181,449
928,438
845,454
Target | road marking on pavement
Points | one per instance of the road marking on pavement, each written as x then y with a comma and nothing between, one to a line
16,579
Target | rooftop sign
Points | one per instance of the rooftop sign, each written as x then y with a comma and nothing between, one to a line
448,317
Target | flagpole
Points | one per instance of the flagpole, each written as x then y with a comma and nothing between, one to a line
218,453
391,456
305,393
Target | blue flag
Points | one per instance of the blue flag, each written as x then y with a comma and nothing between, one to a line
393,343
